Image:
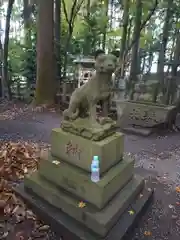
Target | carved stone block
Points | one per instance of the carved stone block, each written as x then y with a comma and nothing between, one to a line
79,151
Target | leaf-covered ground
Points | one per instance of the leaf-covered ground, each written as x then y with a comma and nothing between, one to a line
24,132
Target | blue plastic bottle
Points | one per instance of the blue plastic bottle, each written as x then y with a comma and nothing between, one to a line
95,174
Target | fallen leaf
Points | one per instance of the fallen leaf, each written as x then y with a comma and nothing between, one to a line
81,204
56,162
131,212
178,222
30,215
44,228
4,235
19,236
177,189
16,160
174,216
2,206
171,206
147,233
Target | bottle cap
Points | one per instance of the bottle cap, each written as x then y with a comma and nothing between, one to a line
96,158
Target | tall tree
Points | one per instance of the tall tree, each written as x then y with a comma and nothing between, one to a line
6,83
1,56
172,82
105,8
129,44
45,87
162,51
126,5
87,19
57,37
70,19
27,11
135,49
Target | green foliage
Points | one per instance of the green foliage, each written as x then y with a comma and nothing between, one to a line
15,55
28,66
88,33
22,59
90,30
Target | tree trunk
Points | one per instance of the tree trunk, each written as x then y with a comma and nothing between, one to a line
87,49
106,25
161,59
150,61
57,37
124,34
143,64
135,55
111,14
6,82
76,5
66,50
1,56
173,81
27,14
27,11
46,83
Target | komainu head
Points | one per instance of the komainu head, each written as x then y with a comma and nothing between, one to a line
106,63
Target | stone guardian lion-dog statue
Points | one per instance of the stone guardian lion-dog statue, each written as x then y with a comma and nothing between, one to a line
84,99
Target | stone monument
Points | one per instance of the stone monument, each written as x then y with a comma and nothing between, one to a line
62,191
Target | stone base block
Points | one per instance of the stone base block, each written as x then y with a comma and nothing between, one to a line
99,221
145,132
78,182
83,127
79,151
68,228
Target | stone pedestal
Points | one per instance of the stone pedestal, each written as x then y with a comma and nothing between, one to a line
63,181
80,151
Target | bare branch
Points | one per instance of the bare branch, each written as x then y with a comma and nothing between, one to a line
77,10
73,13
73,9
65,11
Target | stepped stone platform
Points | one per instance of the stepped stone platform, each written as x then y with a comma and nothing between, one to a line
63,181
78,181
70,229
99,221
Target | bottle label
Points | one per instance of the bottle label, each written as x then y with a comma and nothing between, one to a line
94,169
95,164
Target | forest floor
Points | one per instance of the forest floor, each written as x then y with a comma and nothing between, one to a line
157,159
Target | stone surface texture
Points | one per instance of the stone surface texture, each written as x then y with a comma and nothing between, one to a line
79,183
99,221
142,114
79,151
